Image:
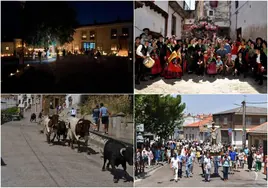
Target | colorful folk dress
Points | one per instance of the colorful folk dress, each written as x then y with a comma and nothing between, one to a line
156,69
173,69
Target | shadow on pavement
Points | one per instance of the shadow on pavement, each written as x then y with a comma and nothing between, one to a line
2,162
121,174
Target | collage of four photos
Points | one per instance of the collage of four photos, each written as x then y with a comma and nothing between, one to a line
134,93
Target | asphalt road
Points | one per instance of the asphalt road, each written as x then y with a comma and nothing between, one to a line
32,162
73,74
163,177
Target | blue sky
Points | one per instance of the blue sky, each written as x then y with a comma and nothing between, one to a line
191,4
197,104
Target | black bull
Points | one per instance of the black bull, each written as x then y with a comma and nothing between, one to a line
59,127
117,154
33,117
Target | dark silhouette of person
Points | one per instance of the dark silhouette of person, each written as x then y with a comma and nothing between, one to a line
2,162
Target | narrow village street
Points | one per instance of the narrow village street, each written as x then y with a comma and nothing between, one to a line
32,162
163,177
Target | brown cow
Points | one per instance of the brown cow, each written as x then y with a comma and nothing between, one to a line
50,124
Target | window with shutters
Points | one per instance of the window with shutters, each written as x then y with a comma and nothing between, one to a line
113,33
125,32
225,120
236,4
92,35
248,120
173,26
262,120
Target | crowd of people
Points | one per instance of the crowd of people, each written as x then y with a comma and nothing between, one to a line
187,155
211,56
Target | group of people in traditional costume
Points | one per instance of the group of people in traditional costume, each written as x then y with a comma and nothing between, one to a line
211,56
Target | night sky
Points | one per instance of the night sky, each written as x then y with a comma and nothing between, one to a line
87,12
103,11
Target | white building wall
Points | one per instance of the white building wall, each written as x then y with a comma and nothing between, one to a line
76,99
237,138
148,18
193,131
252,18
8,102
178,23
162,4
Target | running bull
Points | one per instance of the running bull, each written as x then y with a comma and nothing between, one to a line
78,131
117,154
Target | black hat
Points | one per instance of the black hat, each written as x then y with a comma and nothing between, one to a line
146,29
257,48
176,47
258,39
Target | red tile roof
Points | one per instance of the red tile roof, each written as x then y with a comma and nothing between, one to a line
201,123
259,129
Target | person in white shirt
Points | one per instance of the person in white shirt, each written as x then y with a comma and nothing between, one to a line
175,166
207,166
142,52
150,156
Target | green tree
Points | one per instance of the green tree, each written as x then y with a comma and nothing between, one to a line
114,103
160,114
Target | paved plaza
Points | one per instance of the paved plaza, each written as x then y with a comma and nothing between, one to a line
71,74
192,84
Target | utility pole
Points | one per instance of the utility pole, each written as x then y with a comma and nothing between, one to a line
244,123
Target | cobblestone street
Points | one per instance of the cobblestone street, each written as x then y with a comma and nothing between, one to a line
192,84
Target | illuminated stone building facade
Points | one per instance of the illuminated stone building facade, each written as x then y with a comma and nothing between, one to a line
108,38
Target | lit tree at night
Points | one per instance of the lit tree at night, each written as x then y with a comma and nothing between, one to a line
48,23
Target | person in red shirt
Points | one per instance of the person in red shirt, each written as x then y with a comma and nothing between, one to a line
234,50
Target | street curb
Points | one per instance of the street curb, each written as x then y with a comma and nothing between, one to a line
151,171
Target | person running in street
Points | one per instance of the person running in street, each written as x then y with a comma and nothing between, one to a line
225,166
207,163
180,159
258,159
189,162
104,115
216,161
73,112
175,166
202,162
250,160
